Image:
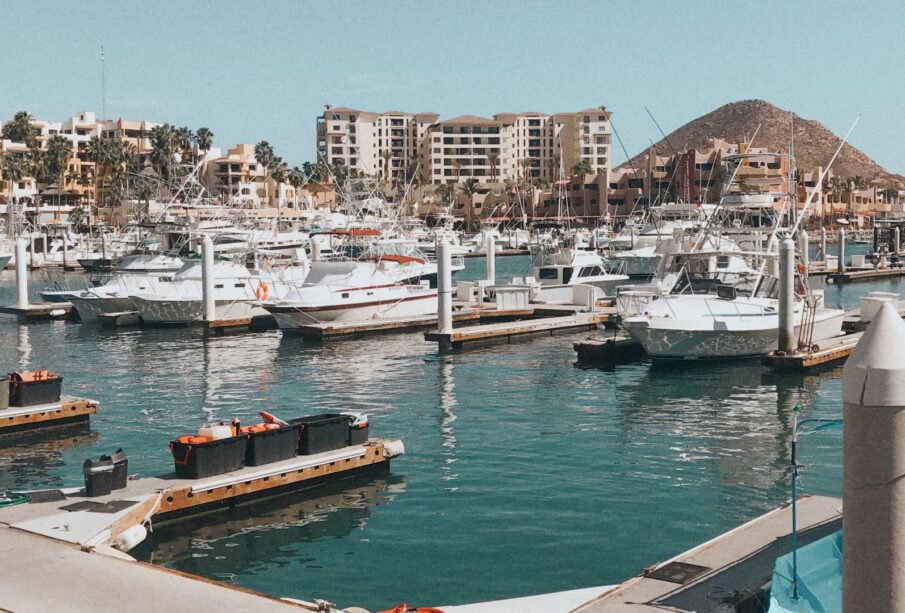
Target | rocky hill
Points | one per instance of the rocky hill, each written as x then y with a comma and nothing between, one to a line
814,144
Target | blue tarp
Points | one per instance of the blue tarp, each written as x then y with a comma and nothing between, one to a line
819,578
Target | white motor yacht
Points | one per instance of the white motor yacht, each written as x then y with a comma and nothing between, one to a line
136,274
722,326
350,291
177,299
561,269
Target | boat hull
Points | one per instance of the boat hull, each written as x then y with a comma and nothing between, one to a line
181,312
661,343
90,309
289,317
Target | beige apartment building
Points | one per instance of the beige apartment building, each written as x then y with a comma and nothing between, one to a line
507,147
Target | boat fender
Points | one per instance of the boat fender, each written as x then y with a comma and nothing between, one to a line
272,419
130,538
393,447
262,291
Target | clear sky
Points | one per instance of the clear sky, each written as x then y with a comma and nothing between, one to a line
262,70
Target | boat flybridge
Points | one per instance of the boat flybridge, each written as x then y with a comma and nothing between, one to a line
727,314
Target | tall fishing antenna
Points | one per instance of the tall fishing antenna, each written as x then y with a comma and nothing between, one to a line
103,86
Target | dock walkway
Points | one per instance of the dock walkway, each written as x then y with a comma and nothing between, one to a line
734,561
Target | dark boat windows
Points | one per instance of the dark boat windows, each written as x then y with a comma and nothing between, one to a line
548,273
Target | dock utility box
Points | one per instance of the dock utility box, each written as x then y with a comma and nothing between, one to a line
196,457
35,387
358,429
271,443
98,477
120,469
324,432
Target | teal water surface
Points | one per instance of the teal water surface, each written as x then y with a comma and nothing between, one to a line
523,473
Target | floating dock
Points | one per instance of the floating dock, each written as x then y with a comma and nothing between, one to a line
347,329
68,411
610,350
39,311
830,351
869,274
508,331
739,562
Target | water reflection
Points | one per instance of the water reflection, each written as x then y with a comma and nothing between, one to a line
447,405
23,347
268,534
31,460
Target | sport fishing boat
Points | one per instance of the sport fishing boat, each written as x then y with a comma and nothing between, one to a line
349,291
562,268
177,299
136,274
725,314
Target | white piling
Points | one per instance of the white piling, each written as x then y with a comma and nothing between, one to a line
208,304
823,245
896,240
804,247
787,295
21,276
444,288
841,267
315,250
490,247
873,462
65,250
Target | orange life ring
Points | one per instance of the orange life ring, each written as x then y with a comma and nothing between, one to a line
800,268
262,292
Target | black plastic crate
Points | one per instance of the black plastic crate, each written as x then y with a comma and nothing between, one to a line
120,469
31,393
358,435
98,477
272,445
324,432
199,460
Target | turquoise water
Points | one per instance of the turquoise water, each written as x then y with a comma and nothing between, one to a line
523,473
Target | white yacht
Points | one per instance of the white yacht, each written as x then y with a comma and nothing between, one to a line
722,326
566,267
7,251
136,274
177,299
349,291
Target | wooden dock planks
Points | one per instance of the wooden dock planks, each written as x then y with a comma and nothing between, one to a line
69,410
504,332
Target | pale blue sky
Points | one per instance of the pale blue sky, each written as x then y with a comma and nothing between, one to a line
258,70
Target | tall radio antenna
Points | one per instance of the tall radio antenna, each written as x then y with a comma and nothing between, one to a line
103,87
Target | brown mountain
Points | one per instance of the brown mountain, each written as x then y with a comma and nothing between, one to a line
814,144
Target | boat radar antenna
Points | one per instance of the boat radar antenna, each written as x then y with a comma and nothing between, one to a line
103,86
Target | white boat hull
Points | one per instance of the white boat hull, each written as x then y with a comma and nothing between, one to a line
90,309
186,311
290,317
668,343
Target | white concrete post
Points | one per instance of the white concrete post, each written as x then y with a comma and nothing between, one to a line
787,295
444,288
841,267
490,247
896,239
823,245
804,246
208,304
104,245
873,462
65,250
21,275
315,250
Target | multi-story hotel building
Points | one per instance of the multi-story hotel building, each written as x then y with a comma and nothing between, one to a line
507,147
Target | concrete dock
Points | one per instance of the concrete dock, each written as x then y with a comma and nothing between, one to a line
68,411
39,311
739,562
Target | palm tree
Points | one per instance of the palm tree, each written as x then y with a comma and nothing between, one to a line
470,188
21,130
385,155
205,139
14,168
57,156
582,168
163,147
493,159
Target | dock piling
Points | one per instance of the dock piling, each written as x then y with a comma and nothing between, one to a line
444,288
823,245
840,267
21,276
208,309
315,250
804,245
873,459
787,295
897,240
490,247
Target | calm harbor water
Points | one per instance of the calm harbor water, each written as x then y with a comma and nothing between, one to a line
523,473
